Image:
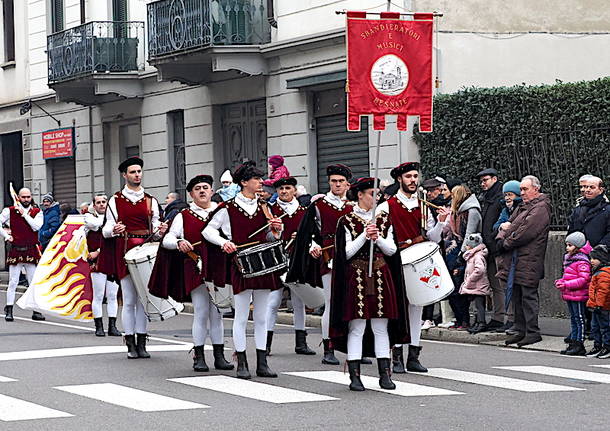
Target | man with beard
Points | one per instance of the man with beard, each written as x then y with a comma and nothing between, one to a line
132,216
592,214
24,221
405,216
102,286
288,208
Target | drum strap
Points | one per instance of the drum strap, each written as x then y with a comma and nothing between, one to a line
409,242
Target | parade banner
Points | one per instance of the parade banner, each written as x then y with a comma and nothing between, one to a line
389,69
62,281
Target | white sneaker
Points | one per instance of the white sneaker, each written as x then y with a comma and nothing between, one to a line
427,325
446,324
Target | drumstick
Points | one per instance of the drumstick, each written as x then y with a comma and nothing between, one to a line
430,204
327,247
289,243
247,244
266,226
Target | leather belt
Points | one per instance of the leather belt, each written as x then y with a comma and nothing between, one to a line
409,242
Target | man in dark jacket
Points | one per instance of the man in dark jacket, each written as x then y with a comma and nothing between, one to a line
491,207
173,205
592,214
52,220
522,243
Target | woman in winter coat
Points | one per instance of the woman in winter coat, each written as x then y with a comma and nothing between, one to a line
574,287
476,284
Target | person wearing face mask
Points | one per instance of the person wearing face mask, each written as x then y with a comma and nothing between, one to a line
229,189
24,220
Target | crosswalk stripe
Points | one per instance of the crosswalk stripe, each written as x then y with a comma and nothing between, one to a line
562,372
253,390
495,381
402,388
600,366
6,379
129,397
14,409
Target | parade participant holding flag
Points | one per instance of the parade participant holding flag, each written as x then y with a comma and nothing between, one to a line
24,221
132,217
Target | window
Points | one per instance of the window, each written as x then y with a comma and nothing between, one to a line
119,10
57,15
177,150
8,17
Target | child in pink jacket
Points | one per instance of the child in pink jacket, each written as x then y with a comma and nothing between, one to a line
476,283
277,169
574,287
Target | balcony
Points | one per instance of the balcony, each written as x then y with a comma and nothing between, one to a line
190,39
96,62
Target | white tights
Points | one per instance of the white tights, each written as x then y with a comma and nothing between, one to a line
356,335
101,285
14,272
415,313
275,298
205,311
326,283
242,309
133,315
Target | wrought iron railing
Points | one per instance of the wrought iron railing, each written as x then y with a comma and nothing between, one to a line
180,25
96,47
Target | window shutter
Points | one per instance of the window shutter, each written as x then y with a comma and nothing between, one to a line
9,30
57,15
119,10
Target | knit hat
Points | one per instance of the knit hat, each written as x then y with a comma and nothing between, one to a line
48,197
512,186
473,240
276,161
452,182
226,176
577,239
600,252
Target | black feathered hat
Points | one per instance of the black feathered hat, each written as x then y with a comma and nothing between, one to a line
199,179
246,171
404,167
339,169
130,162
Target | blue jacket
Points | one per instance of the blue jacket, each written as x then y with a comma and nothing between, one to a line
52,221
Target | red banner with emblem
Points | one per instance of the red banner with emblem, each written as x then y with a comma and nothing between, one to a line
389,69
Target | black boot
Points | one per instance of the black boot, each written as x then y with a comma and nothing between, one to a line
354,376
300,343
329,354
262,369
269,341
385,382
141,346
398,362
37,316
8,313
130,341
514,338
220,363
577,348
112,329
242,366
413,363
565,351
199,360
99,327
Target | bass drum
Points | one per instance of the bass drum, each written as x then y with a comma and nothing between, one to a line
140,261
312,297
221,297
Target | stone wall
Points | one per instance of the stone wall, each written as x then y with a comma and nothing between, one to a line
551,304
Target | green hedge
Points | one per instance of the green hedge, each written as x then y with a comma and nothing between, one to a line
556,132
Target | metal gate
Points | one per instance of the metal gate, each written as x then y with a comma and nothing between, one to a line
244,129
64,180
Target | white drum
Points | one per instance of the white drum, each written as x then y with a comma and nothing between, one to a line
312,297
221,297
140,261
427,279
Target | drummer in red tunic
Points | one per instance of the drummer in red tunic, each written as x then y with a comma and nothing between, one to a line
132,217
404,211
237,219
102,285
367,314
287,208
176,274
24,221
316,238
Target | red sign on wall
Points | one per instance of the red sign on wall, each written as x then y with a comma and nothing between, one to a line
58,143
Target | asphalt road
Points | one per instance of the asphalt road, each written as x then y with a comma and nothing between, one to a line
67,389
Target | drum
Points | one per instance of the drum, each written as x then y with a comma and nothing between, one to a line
427,279
221,297
140,261
261,259
312,297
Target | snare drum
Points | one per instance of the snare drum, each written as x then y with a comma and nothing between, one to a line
140,261
261,259
427,279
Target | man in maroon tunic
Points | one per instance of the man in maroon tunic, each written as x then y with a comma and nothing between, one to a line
238,218
24,221
132,216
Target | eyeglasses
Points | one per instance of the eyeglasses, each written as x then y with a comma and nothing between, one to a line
484,179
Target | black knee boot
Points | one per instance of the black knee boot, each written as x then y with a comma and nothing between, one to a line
141,346
242,366
37,316
329,354
269,341
300,346
220,363
398,362
112,329
99,327
385,382
354,376
262,369
130,341
413,360
199,360
8,313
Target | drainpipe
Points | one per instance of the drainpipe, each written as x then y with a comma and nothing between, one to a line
91,164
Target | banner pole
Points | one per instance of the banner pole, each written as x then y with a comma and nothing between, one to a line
375,192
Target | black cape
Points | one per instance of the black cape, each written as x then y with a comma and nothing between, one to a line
304,268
